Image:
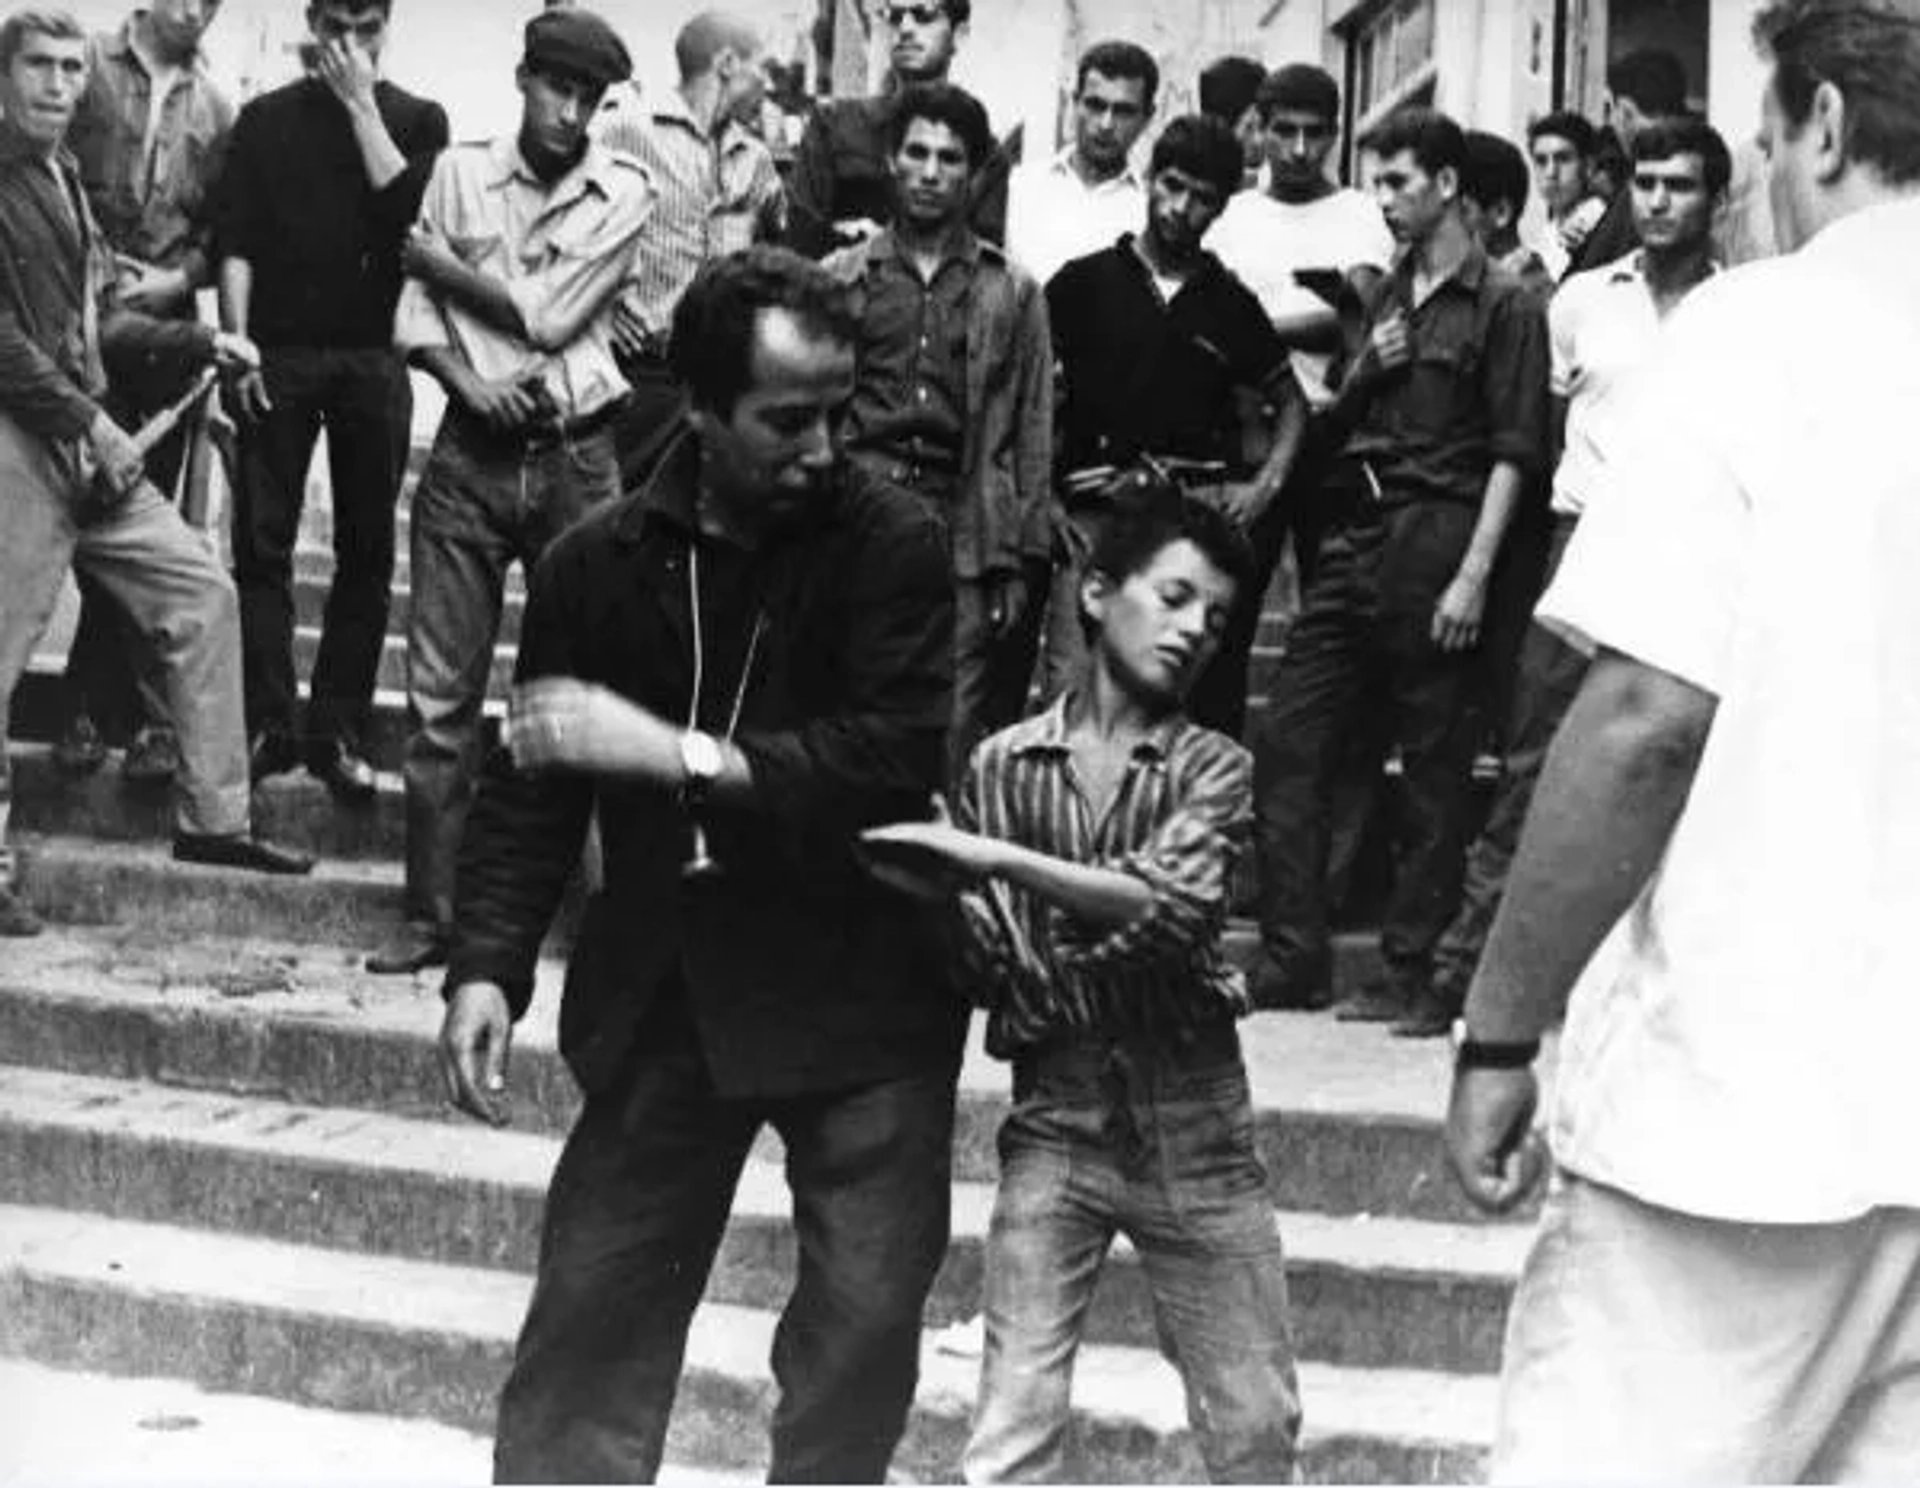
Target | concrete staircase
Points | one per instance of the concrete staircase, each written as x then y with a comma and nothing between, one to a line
226,1158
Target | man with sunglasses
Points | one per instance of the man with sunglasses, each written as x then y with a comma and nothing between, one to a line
841,186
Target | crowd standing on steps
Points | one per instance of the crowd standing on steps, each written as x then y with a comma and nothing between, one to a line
911,522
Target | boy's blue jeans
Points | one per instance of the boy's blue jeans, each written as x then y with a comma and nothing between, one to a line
1153,1140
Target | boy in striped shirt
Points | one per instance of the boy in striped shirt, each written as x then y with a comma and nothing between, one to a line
1092,854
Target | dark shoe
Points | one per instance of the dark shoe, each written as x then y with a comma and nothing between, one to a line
417,947
17,922
273,754
1430,1016
1274,988
81,750
153,758
238,851
1380,1002
344,772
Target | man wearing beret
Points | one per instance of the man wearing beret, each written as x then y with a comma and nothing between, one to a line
522,245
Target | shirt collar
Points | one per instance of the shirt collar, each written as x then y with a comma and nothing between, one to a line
672,109
1063,166
1897,218
1633,268
1470,273
15,147
1049,734
963,245
589,172
670,492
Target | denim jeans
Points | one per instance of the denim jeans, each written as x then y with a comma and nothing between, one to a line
483,503
364,401
1154,1140
634,1218
1361,662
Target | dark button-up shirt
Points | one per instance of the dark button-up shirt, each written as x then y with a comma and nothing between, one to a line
153,207
801,972
910,406
1474,393
841,171
1145,374
295,202
1181,818
56,307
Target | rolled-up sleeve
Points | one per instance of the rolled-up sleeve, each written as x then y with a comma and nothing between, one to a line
417,319
1515,377
880,755
1188,864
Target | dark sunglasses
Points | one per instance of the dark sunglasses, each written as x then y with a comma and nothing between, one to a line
922,15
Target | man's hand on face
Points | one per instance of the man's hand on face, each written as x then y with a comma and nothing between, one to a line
348,70
116,456
476,1035
1491,1144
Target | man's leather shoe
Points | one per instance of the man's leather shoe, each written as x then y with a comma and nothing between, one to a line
16,920
1379,1003
1431,1016
417,947
344,771
1273,988
80,750
273,754
153,758
240,851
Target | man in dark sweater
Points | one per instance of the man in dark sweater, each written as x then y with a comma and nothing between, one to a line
323,179
738,667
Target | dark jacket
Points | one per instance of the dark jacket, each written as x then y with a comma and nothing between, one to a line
801,972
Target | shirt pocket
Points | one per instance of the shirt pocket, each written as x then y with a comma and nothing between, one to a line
1443,380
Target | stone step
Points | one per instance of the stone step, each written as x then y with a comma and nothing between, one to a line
410,1338
1348,1119
293,809
1370,1294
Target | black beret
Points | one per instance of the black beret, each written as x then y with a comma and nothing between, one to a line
568,39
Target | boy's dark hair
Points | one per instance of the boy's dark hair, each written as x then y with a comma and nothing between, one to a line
948,104
1496,172
1567,125
1687,135
1203,148
1300,88
1654,79
1121,61
711,349
1436,141
1146,513
1229,87
1870,51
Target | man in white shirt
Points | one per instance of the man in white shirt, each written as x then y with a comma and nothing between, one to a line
1726,857
1083,199
1603,326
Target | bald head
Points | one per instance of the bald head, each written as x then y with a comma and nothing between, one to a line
707,36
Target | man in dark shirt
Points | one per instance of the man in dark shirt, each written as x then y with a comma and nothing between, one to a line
1448,408
323,179
739,666
955,399
72,486
1163,352
840,190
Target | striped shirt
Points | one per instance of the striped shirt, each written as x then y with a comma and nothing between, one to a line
1181,817
715,195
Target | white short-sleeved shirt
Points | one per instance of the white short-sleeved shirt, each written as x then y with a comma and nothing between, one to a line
1746,1042
1264,240
1054,217
1602,325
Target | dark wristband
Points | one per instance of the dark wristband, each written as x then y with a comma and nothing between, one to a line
1470,1053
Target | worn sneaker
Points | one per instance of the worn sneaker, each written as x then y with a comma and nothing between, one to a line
153,758
81,750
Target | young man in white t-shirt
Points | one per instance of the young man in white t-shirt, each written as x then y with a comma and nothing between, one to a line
1722,868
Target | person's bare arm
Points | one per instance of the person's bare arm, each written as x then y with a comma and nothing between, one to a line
1458,617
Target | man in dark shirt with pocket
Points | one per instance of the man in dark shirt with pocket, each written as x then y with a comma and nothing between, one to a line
1163,352
323,179
1447,405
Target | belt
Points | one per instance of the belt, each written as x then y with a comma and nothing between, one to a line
545,436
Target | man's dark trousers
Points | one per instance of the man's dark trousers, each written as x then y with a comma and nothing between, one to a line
363,399
1363,642
635,1215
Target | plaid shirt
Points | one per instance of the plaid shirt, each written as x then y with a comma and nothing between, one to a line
1181,817
714,195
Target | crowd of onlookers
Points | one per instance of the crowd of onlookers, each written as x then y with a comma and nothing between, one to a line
899,530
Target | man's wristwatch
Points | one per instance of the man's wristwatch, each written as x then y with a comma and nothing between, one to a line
701,761
1470,1053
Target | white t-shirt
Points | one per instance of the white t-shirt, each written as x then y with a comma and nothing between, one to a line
1263,240
1053,217
1744,1043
